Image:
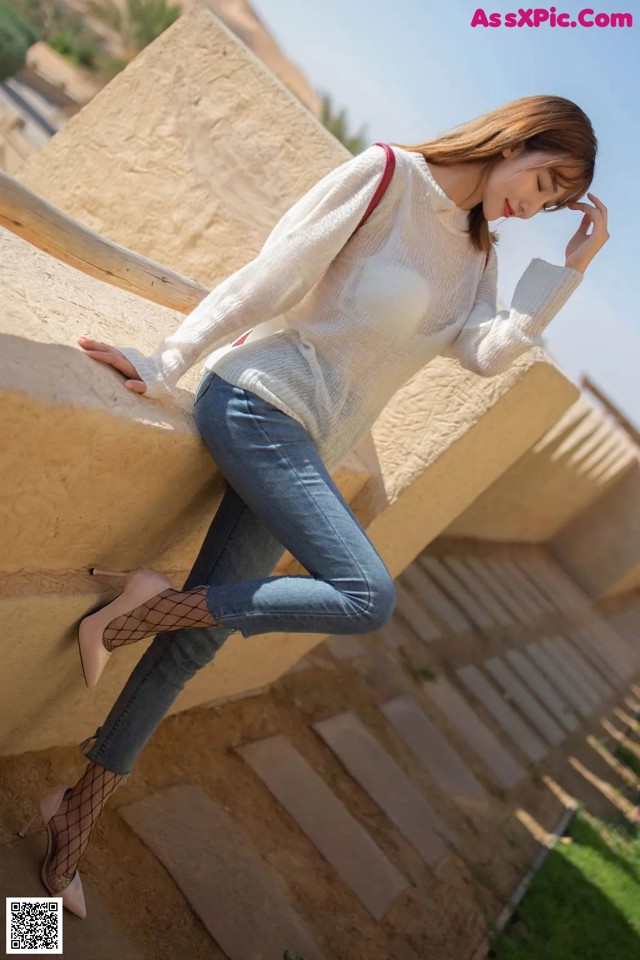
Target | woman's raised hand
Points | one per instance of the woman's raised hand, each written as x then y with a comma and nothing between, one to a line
107,354
583,246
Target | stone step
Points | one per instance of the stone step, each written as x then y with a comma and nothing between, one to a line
456,590
566,665
327,823
531,565
388,785
601,688
600,634
416,614
493,582
227,883
532,609
434,599
567,597
478,588
433,751
468,724
527,703
512,725
20,863
561,676
526,579
544,690
608,663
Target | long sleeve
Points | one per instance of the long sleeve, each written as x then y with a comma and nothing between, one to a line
492,339
296,254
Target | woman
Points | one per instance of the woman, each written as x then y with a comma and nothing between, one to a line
354,316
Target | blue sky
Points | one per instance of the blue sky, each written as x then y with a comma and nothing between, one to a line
409,70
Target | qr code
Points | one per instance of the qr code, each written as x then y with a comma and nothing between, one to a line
34,925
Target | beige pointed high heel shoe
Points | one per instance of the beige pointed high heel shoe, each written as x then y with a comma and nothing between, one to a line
140,585
72,893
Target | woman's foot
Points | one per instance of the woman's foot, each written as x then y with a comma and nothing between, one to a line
169,610
74,820
147,605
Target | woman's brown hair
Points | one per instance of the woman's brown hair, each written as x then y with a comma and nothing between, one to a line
552,124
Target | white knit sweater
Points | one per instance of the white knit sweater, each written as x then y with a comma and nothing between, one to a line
343,322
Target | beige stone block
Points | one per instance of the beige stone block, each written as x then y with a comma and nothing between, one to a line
560,477
420,478
43,698
201,154
600,548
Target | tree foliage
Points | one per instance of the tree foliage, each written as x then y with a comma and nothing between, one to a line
138,22
337,124
16,36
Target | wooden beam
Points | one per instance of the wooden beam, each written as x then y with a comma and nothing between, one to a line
30,216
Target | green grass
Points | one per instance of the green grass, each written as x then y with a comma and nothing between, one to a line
584,904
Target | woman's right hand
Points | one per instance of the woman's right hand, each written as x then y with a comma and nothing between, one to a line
583,246
107,354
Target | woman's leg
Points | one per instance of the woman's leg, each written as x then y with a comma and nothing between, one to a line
281,497
276,469
237,545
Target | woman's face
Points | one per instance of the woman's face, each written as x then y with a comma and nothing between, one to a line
519,180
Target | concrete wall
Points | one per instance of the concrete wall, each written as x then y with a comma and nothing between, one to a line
210,151
559,478
94,475
601,546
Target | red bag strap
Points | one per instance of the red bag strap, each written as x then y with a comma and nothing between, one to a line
389,167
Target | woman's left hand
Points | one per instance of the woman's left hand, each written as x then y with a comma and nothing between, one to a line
105,353
583,246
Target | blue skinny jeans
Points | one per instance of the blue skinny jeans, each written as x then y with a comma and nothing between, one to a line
279,496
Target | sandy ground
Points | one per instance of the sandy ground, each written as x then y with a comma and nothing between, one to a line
445,912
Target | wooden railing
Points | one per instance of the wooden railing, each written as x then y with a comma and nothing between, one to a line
25,213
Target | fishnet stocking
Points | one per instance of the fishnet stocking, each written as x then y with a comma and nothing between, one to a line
72,824
169,610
